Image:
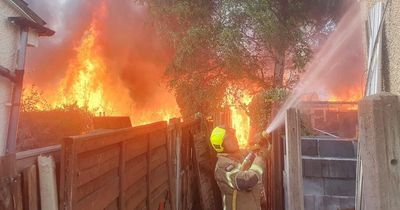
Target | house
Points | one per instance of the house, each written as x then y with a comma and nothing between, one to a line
20,28
390,49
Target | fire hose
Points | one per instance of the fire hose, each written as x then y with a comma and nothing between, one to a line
247,162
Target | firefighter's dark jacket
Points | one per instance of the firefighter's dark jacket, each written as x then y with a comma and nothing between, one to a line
247,183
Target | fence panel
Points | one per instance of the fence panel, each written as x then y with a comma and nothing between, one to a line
118,169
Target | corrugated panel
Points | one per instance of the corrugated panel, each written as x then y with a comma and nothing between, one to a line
374,82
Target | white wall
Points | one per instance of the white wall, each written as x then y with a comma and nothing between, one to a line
9,36
391,46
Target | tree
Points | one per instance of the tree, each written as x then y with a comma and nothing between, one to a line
250,44
33,100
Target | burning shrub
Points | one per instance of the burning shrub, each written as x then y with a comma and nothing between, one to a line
40,125
33,100
260,108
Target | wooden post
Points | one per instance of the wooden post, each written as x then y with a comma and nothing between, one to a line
148,175
10,184
67,174
277,169
178,155
30,188
122,177
171,151
7,171
379,146
294,168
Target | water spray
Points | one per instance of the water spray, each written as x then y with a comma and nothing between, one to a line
336,55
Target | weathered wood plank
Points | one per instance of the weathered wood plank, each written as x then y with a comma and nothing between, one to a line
7,166
30,188
137,188
148,171
26,162
159,156
98,140
135,170
137,201
294,170
160,191
170,164
157,139
113,205
158,176
101,198
96,157
136,147
39,151
90,187
83,177
67,178
277,170
16,192
379,146
122,180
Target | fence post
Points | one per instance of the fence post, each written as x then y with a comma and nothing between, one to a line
148,175
30,188
122,158
379,117
67,172
294,168
277,166
10,184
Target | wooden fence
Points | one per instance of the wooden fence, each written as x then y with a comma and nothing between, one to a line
19,178
155,166
379,148
121,169
145,167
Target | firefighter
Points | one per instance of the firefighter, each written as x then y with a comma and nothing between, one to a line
241,188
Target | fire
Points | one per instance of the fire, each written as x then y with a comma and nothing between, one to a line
240,120
349,95
83,84
90,85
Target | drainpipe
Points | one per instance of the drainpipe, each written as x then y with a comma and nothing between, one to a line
17,92
7,74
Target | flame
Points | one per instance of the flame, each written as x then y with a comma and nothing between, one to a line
240,120
349,95
83,83
89,85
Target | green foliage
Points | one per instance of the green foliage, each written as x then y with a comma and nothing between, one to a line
198,96
233,42
261,106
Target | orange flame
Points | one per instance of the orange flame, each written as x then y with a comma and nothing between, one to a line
89,85
83,83
239,118
348,95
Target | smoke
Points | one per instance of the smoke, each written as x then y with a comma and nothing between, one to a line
336,69
134,54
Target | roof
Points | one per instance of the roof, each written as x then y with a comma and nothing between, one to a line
24,22
28,12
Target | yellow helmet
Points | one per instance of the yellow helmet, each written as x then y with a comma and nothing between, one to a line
217,138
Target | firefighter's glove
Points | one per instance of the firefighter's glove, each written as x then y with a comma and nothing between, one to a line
265,150
254,147
261,138
246,180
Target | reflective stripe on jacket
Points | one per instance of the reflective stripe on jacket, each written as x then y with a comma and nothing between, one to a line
248,183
